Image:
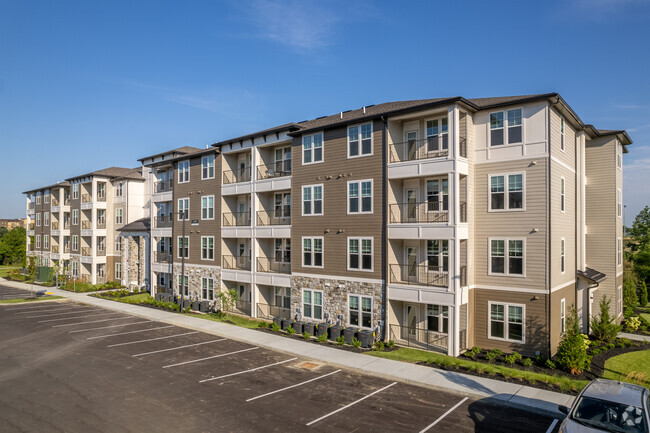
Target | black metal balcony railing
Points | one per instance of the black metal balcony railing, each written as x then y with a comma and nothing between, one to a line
31,206
163,257
267,265
413,150
419,212
423,275
164,185
241,307
234,176
268,312
242,263
86,225
274,218
86,251
236,219
162,221
277,169
86,198
421,338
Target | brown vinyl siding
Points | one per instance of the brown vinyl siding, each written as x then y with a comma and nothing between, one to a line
335,225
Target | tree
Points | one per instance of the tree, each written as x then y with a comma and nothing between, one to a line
572,352
642,264
643,294
630,298
640,230
603,326
12,246
3,231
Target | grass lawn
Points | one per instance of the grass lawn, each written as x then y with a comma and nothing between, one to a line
236,320
633,367
414,355
42,298
4,270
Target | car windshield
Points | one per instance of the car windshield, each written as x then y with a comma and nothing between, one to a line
609,416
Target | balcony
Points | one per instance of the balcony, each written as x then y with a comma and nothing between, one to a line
55,202
31,226
101,195
420,275
86,225
162,221
237,219
411,336
86,251
419,212
236,176
86,198
267,265
274,218
101,279
414,150
55,249
30,206
268,312
162,257
55,225
66,248
163,186
242,263
101,250
66,225
66,201
242,307
101,223
271,171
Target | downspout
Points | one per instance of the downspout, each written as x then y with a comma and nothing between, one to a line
549,238
384,225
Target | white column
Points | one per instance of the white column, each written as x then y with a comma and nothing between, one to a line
453,123
125,252
255,158
147,261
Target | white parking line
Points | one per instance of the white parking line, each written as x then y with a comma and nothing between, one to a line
152,339
92,321
552,426
57,314
293,386
351,404
181,347
246,371
44,308
444,415
106,327
210,357
130,332
78,317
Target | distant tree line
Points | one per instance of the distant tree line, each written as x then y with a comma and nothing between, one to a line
12,246
637,261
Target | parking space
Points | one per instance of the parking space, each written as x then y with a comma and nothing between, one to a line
7,293
84,366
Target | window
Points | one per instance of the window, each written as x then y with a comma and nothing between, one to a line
438,255
101,190
282,297
360,254
207,286
75,243
183,209
312,303
184,171
75,217
619,204
619,156
38,198
38,219
312,252
101,217
438,318
562,316
183,284
437,135
510,198
562,194
283,161
207,207
207,247
38,241
46,242
360,196
512,124
360,311
118,216
437,195
119,189
282,207
507,321
75,192
562,134
118,271
207,165
562,255
46,219
619,252
183,247
118,244
360,140
46,197
282,251
312,148
75,268
312,200
507,256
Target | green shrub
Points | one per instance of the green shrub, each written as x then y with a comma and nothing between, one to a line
527,362
493,354
340,340
510,359
630,297
632,323
390,344
306,335
572,353
275,327
603,326
643,294
611,346
291,331
549,364
322,338
472,352
629,312
378,346
356,342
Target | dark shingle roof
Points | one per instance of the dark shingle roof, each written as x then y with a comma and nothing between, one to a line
179,150
141,225
496,101
592,275
112,172
286,127
59,184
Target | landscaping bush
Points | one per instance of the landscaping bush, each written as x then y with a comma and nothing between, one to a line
472,352
629,312
603,327
390,344
291,331
512,358
378,346
572,353
630,297
306,335
493,354
340,340
322,338
527,362
356,342
275,327
549,364
632,324
643,294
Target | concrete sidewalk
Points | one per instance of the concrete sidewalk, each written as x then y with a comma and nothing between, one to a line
529,398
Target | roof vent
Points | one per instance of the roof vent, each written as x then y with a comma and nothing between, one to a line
364,110
341,115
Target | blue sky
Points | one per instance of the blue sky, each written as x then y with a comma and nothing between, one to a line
91,84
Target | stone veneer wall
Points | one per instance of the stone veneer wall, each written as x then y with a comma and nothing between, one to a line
137,247
194,274
335,298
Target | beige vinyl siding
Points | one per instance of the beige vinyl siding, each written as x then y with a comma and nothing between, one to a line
567,293
513,224
335,225
563,225
568,155
471,203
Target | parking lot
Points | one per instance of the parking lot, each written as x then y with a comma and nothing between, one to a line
11,293
70,367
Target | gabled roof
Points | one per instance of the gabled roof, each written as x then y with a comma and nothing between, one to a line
199,152
111,172
141,225
175,152
591,275
56,185
275,130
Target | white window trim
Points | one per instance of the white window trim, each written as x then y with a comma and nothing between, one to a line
302,251
75,243
203,166
506,251
562,134
181,171
562,255
619,301
563,315
75,192
38,241
505,321
75,217
360,326
204,258
119,213
302,200
46,242
506,200
619,252
372,197
562,194
38,219
206,197
619,156
372,141
302,147
118,270
619,203
302,303
178,214
372,254
178,250
505,129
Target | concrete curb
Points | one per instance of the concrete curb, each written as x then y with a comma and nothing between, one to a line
517,396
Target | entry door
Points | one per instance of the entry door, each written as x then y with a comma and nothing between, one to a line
412,319
411,263
411,205
411,145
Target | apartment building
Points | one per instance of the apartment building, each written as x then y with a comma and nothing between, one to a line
13,223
